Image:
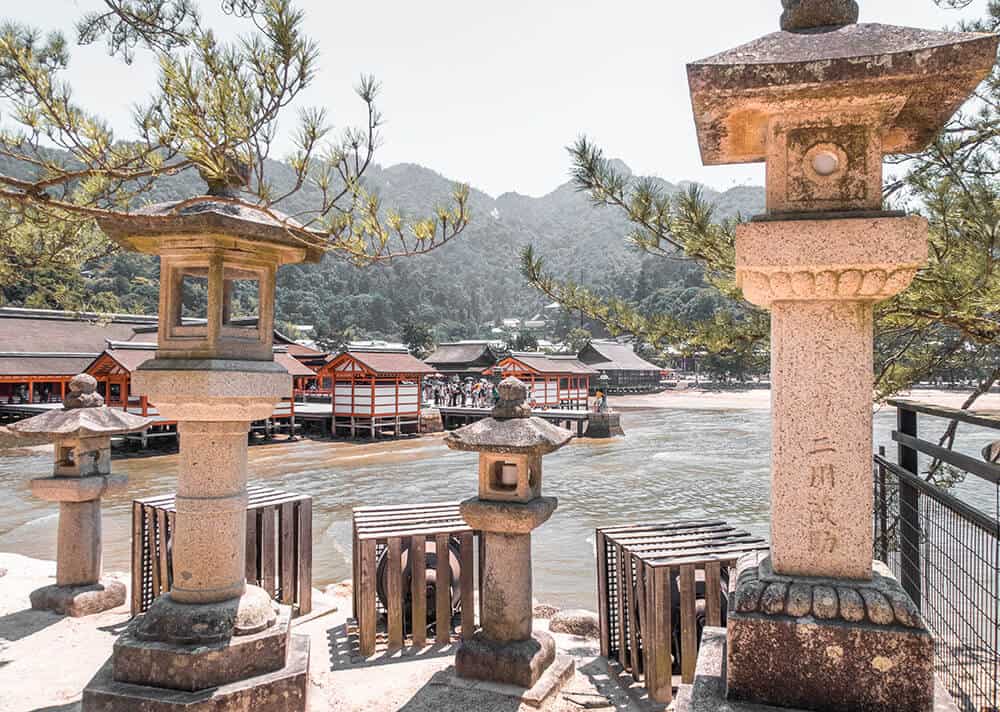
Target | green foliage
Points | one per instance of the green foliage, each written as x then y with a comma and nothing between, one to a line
947,322
577,339
215,112
419,338
525,341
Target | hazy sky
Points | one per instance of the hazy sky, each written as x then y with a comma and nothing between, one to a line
492,92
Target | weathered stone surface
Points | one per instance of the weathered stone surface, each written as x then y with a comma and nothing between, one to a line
193,667
77,489
824,602
708,692
604,425
829,666
849,651
283,690
773,599
799,601
173,622
880,601
576,622
543,610
736,93
77,601
508,517
516,663
852,607
809,14
430,421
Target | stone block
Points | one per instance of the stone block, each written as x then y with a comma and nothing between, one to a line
515,663
604,425
576,622
508,517
708,691
77,601
200,666
282,690
77,489
841,653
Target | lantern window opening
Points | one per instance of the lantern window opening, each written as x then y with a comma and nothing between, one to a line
193,292
66,456
241,294
504,476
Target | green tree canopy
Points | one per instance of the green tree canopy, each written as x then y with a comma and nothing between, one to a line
214,109
948,319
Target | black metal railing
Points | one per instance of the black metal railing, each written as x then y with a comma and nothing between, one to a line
946,551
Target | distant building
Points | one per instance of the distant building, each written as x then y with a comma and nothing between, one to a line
553,381
623,367
375,391
465,359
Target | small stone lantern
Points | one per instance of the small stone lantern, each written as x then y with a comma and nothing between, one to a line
81,432
509,507
814,625
212,636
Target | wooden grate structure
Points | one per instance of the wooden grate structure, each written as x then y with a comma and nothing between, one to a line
654,582
278,547
417,530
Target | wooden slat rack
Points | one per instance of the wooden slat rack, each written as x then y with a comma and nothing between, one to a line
641,570
278,547
418,528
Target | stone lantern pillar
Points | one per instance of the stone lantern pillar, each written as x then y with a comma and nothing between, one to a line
212,636
509,507
814,626
81,433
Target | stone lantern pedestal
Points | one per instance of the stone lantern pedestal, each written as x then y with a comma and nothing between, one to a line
509,507
815,626
213,642
81,433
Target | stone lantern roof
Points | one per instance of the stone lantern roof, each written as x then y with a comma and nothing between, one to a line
511,429
154,227
822,59
83,415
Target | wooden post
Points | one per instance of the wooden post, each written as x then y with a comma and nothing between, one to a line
287,554
252,570
305,550
137,525
394,593
713,593
418,589
267,552
689,623
468,604
366,621
602,592
443,598
659,678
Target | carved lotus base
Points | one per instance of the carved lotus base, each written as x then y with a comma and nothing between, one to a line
828,645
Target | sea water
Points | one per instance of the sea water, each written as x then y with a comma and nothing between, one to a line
673,464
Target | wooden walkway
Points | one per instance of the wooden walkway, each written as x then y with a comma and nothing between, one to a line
454,417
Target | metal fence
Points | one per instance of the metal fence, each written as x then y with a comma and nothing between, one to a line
945,552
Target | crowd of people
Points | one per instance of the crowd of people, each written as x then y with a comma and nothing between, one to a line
456,393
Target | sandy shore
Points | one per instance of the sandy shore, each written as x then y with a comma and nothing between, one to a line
760,399
46,660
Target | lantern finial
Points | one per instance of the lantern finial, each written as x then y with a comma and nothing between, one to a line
810,14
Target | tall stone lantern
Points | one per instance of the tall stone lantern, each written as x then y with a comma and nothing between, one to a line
214,374
81,475
509,507
815,626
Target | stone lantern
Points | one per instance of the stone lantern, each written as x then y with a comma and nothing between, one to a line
509,507
814,626
214,374
81,433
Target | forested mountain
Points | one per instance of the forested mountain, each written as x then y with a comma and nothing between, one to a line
459,290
